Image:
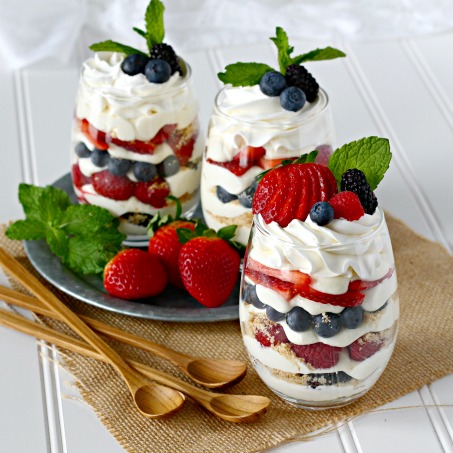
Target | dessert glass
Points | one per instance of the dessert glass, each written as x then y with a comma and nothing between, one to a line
134,143
312,353
250,132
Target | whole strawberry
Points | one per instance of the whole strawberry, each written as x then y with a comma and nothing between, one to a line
165,244
209,267
134,274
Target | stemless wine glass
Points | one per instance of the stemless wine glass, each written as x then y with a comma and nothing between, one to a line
250,132
319,321
134,143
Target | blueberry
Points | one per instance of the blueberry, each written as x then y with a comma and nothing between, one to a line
274,315
157,71
327,324
144,171
292,99
119,167
134,64
99,157
82,150
169,166
251,297
298,319
316,379
272,83
351,317
224,196
246,197
321,213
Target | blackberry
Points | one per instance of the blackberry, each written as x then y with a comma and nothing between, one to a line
298,76
355,181
165,52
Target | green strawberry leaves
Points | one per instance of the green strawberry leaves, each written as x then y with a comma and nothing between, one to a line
154,33
85,237
370,154
249,74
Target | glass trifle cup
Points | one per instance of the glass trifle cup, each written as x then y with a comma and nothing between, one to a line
250,132
319,307
134,143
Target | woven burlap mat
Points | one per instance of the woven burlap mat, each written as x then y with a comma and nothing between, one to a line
422,355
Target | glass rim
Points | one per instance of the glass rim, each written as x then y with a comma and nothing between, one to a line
325,247
298,120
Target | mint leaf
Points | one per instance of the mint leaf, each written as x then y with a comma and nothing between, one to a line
371,155
28,230
244,74
58,242
112,46
227,232
283,47
328,53
87,257
305,158
87,219
154,20
140,32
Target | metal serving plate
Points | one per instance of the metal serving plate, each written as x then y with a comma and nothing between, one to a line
172,305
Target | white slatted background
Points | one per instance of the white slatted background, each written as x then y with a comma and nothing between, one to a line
402,90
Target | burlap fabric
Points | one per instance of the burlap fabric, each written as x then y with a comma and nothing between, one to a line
422,354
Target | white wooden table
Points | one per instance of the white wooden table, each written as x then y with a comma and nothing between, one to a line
402,90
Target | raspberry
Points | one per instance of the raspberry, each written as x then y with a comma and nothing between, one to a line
111,186
299,77
165,52
365,346
271,335
153,192
354,180
347,205
318,355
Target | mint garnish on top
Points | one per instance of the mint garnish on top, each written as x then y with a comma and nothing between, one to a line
371,155
85,237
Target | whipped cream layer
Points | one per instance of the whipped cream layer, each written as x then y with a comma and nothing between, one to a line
244,116
332,255
130,107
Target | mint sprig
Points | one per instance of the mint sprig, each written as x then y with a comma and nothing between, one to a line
85,237
249,74
154,33
370,154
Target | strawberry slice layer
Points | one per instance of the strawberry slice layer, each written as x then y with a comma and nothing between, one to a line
243,161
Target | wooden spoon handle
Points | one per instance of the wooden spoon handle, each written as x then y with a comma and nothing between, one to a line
13,267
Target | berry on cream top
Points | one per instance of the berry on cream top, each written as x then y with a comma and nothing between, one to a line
244,116
130,107
346,250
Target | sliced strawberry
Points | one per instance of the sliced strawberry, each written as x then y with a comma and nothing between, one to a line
288,209
271,335
318,355
275,204
136,146
365,346
304,203
153,192
296,277
96,137
243,161
111,186
267,164
265,192
182,142
346,205
78,178
361,285
285,289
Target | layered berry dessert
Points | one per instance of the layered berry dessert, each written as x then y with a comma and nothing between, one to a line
136,138
319,306
260,118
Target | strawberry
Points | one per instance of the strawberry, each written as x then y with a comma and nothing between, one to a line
96,137
267,164
271,335
166,245
365,346
209,269
360,285
111,186
78,178
243,161
134,274
288,192
296,277
182,142
347,205
318,355
153,192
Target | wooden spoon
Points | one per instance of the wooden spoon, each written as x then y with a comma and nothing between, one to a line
232,408
152,400
207,372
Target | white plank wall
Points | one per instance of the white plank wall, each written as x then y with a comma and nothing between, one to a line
399,89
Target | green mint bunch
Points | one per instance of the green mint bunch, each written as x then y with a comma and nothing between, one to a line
249,74
85,237
154,32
